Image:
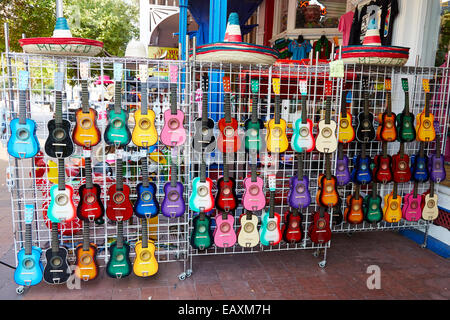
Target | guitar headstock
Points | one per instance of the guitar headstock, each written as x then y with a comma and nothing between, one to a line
387,84
143,72
405,85
270,163
349,97
328,88
365,84
29,213
426,85
226,84
118,70
205,83
272,181
59,81
84,70
303,87
173,72
24,77
255,85
276,85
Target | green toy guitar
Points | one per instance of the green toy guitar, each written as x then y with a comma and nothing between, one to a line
119,264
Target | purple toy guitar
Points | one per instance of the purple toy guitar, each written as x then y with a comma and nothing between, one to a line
224,234
173,204
342,171
436,161
412,209
299,196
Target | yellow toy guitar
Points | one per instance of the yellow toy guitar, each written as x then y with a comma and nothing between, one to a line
425,120
277,140
144,133
145,264
392,211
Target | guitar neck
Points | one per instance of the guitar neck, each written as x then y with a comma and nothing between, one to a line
226,175
421,150
389,103
55,241
272,204
300,166
144,98
227,107
415,189
384,148
144,161
363,151
328,166
438,146
304,114
253,176
117,96
58,107
84,96
431,188
119,234
203,172
254,116
344,105
88,172
402,149
119,174
427,104
173,174
86,239
277,109
22,106
395,190
205,108
340,151
28,238
61,175
374,190
328,110
357,190
144,233
173,99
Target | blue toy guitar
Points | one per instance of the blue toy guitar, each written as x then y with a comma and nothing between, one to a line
419,165
362,172
23,142
146,205
29,271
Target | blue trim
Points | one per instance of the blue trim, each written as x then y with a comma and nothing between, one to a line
433,244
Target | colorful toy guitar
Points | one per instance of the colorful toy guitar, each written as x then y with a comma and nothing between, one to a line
146,205
362,173
58,143
228,140
173,132
29,271
392,211
86,133
303,139
405,120
387,130
419,165
61,207
204,140
90,206
145,263
326,141
346,131
119,207
327,194
425,120
117,132
277,140
382,171
119,264
299,196
248,234
430,209
86,257
226,198
342,171
201,237
201,198
354,214
365,131
254,198
373,211
270,232
412,205
173,205
224,235
319,230
436,164
292,231
23,142
144,133
400,166
253,126
57,269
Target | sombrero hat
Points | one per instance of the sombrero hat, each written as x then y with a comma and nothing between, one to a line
233,50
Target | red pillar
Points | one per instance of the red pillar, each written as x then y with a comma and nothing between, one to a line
268,25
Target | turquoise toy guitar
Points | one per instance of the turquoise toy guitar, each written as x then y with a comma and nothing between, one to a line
270,231
29,271
23,142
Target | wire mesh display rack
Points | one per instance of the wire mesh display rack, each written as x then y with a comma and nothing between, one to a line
30,180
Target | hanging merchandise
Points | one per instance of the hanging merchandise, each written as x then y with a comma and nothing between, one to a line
345,25
323,47
282,46
300,48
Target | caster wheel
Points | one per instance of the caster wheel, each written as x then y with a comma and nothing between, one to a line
349,234
188,273
322,264
423,246
316,254
182,276
20,290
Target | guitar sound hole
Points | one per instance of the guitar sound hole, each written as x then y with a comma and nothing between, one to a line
363,167
254,190
321,223
384,166
205,131
414,205
173,196
173,124
118,197
117,123
356,207
89,198
23,134
402,165
59,134
253,132
406,124
304,132
249,227
374,206
120,257
430,204
276,132
144,124
202,191
226,191
146,196
326,133
341,167
145,256
86,123
228,132
344,124
271,226
86,259
394,206
437,165
420,166
329,188
202,229
28,263
294,224
61,200
389,124
366,124
56,262
225,227
426,124
300,188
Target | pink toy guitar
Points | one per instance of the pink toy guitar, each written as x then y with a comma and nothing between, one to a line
412,205
224,234
173,132
253,198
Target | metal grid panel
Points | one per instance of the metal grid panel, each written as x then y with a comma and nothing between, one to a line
31,183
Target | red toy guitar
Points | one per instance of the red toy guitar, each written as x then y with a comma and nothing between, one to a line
228,140
319,230
400,166
292,231
382,170
226,199
119,207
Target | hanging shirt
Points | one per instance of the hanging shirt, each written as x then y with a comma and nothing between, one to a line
299,51
345,25
389,11
323,47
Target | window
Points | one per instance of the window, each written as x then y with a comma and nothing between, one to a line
308,13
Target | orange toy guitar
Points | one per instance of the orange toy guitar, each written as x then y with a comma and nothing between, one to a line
425,120
327,194
354,212
386,130
277,140
86,253
392,211
228,140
